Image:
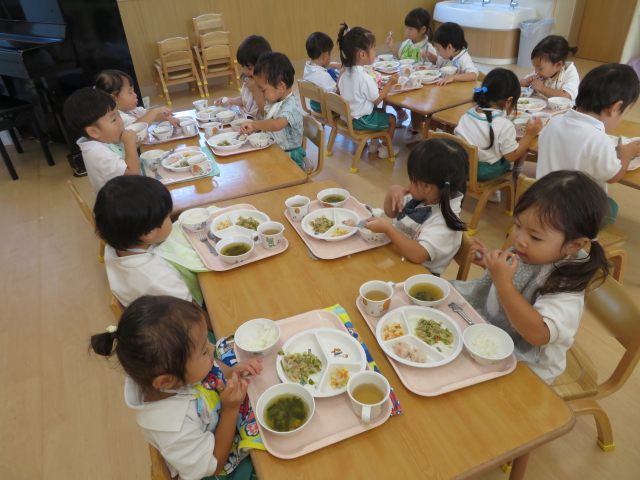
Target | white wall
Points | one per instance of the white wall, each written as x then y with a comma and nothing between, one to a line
562,17
632,45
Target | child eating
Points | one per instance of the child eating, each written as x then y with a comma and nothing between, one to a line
107,148
120,86
577,139
250,98
319,70
273,75
132,215
427,228
452,52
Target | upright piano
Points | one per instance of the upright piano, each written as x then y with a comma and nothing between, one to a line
50,48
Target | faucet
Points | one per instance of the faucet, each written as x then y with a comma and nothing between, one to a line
462,2
513,5
485,2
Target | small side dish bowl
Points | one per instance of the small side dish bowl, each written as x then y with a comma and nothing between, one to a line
490,334
387,57
284,389
448,71
257,337
163,133
545,117
226,116
140,128
333,191
404,61
521,125
195,219
152,158
432,280
372,237
259,140
559,103
234,239
237,124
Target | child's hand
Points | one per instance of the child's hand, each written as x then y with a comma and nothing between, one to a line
446,80
496,262
526,81
629,151
234,392
389,41
140,142
537,84
129,136
162,113
252,366
378,225
534,126
478,247
394,79
173,121
397,193
251,85
247,128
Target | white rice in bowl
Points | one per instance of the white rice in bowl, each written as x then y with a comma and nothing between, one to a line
485,346
265,337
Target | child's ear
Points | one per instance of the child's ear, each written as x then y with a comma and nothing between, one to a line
423,30
92,131
573,246
164,382
614,109
149,235
281,86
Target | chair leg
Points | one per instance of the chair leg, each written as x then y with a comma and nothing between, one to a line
16,142
511,198
7,162
43,141
392,157
618,257
332,139
101,251
357,155
164,85
425,126
157,82
591,407
192,86
482,203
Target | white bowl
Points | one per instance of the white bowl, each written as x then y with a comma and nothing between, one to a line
259,140
234,239
233,143
427,76
236,230
500,337
237,124
421,66
519,114
531,105
184,119
172,160
433,280
545,117
387,57
386,65
372,237
140,128
152,157
195,224
448,71
404,61
521,125
251,330
333,191
226,116
559,103
201,104
163,133
284,389
526,92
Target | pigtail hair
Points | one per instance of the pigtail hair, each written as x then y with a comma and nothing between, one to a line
341,34
491,133
451,219
102,344
573,50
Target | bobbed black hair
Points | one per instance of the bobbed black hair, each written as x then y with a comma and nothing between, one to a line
128,207
444,163
606,85
250,50
86,106
570,202
275,67
112,81
317,44
500,84
351,41
450,34
418,18
553,48
153,338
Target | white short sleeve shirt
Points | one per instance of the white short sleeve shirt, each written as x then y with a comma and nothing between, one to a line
566,79
576,141
101,162
474,128
359,89
462,61
248,102
133,276
319,76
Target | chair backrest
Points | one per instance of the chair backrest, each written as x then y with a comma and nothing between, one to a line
472,150
83,206
613,307
208,22
174,44
315,133
462,257
311,91
116,307
335,103
215,46
159,470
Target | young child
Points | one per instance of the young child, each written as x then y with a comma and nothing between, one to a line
452,52
554,76
120,86
250,98
577,140
186,403
417,48
132,215
358,48
319,70
273,75
488,127
535,290
427,228
107,148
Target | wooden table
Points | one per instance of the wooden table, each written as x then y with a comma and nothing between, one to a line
240,175
457,435
628,129
433,98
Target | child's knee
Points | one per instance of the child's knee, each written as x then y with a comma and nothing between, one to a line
392,120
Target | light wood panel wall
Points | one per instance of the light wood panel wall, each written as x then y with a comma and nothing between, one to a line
285,23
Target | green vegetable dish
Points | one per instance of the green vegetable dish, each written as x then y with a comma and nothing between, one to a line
250,223
286,413
180,164
298,367
321,224
432,332
224,143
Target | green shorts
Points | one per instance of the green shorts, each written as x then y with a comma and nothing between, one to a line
610,218
297,155
376,120
315,106
491,171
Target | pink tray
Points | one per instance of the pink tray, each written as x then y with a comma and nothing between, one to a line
244,149
173,137
216,263
332,250
333,420
459,373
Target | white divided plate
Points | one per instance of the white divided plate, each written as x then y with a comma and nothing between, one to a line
213,111
232,217
533,105
337,216
334,348
386,65
166,163
408,317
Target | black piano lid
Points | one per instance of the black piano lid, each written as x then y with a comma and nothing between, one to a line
19,35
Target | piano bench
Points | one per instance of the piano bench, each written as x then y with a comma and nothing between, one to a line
15,113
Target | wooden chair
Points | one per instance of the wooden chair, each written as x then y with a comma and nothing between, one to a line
159,469
175,66
314,132
462,258
336,104
614,308
477,189
116,307
89,215
310,91
214,51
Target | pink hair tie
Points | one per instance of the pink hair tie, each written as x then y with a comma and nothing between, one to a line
348,30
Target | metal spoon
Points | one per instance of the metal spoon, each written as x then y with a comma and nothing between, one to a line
214,240
456,308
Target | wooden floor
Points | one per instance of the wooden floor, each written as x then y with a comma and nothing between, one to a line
63,415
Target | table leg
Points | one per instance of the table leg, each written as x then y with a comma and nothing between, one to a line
427,122
519,467
7,161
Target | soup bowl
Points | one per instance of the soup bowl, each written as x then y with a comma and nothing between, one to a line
140,128
234,239
432,280
163,133
236,125
521,125
333,191
284,389
448,71
545,117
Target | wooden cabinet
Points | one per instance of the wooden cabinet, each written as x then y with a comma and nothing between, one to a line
490,46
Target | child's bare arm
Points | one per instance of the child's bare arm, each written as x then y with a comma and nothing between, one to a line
271,125
408,248
391,46
230,101
394,200
533,128
129,139
539,86
385,91
459,77
626,153
231,397
433,58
